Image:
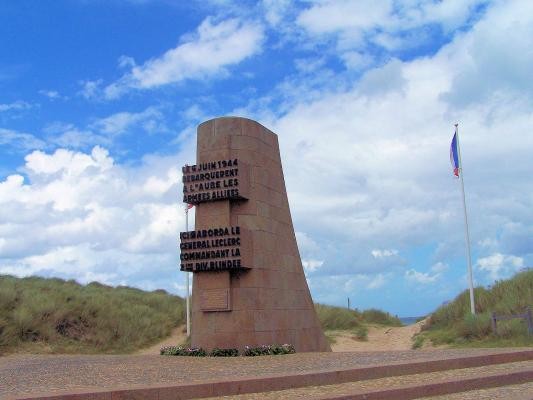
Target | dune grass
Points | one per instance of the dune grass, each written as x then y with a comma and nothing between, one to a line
341,318
56,316
374,316
53,315
454,324
337,318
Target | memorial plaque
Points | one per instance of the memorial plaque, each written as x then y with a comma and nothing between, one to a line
214,249
215,300
215,181
249,286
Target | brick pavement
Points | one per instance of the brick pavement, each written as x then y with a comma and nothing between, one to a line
345,389
511,392
26,375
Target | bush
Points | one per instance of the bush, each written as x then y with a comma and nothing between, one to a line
474,326
331,317
361,333
268,350
282,349
512,329
172,351
216,352
182,351
418,341
380,317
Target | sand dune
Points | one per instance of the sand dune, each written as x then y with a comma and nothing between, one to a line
379,339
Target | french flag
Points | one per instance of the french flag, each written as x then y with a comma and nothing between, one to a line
454,155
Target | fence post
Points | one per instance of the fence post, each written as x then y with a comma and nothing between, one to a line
493,323
529,319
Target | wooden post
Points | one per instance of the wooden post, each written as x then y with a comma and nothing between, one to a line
493,321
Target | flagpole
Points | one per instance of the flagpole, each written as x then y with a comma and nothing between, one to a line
187,277
467,234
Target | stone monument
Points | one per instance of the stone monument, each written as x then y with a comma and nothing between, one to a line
249,286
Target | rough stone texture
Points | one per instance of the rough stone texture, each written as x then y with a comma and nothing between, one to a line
271,302
106,376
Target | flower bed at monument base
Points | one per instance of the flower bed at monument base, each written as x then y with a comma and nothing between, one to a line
249,351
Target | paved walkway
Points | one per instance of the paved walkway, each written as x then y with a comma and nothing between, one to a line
345,389
26,375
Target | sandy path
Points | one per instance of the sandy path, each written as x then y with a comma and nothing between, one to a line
379,339
176,338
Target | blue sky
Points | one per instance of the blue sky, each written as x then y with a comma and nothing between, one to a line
99,102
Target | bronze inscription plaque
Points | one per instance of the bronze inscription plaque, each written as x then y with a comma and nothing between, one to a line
215,180
214,249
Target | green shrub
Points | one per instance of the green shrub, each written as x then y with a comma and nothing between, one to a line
474,326
268,350
361,333
331,317
282,349
380,317
514,328
216,352
418,341
181,351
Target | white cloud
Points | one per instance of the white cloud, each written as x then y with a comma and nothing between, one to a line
17,105
368,164
70,136
499,265
345,15
275,10
20,140
52,94
493,59
358,25
439,268
150,120
376,253
435,273
377,282
357,60
206,53
79,215
420,277
312,265
91,89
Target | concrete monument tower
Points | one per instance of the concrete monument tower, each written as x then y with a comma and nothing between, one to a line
249,286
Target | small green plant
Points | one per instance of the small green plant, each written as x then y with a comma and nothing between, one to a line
256,351
418,341
282,349
361,333
182,351
265,350
474,326
216,352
